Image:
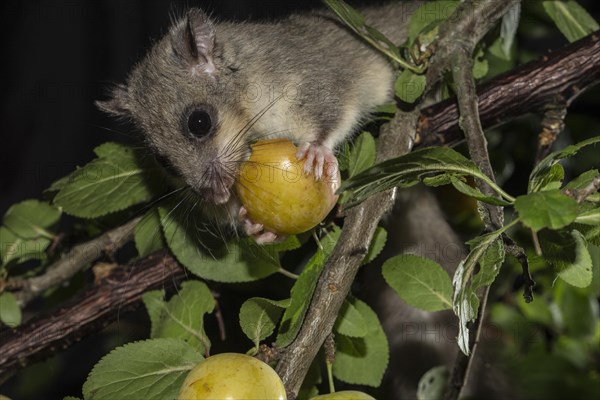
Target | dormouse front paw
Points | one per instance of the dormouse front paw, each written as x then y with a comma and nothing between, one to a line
319,160
257,231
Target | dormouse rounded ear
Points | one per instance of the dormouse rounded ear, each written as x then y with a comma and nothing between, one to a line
118,104
194,42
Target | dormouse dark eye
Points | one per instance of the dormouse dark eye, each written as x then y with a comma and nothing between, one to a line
200,122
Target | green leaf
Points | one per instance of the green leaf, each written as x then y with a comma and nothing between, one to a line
475,193
290,243
481,65
579,310
10,312
591,233
377,245
344,157
433,383
408,170
464,302
489,265
539,311
508,29
57,185
438,180
362,360
307,393
595,255
209,258
346,13
119,178
148,234
582,180
154,302
302,291
350,321
362,155
150,370
30,219
65,398
548,209
15,248
553,179
571,19
259,316
409,86
590,217
428,16
420,282
356,22
182,317
543,168
579,272
389,108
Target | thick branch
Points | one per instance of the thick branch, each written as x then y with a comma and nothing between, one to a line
86,313
565,72
72,262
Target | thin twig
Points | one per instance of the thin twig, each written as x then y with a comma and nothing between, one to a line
517,251
73,261
582,194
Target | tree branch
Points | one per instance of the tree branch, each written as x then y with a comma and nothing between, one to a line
72,262
582,194
566,72
86,313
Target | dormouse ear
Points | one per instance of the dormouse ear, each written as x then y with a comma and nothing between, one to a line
194,44
117,105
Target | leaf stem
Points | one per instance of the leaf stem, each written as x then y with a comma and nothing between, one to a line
494,186
287,273
536,243
330,376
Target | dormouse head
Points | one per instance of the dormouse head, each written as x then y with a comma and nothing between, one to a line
178,96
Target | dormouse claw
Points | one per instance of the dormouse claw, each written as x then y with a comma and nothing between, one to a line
256,231
319,160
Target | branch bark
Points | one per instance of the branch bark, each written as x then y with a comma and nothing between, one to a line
72,262
87,313
566,72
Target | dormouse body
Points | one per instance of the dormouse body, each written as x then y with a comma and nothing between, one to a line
207,89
